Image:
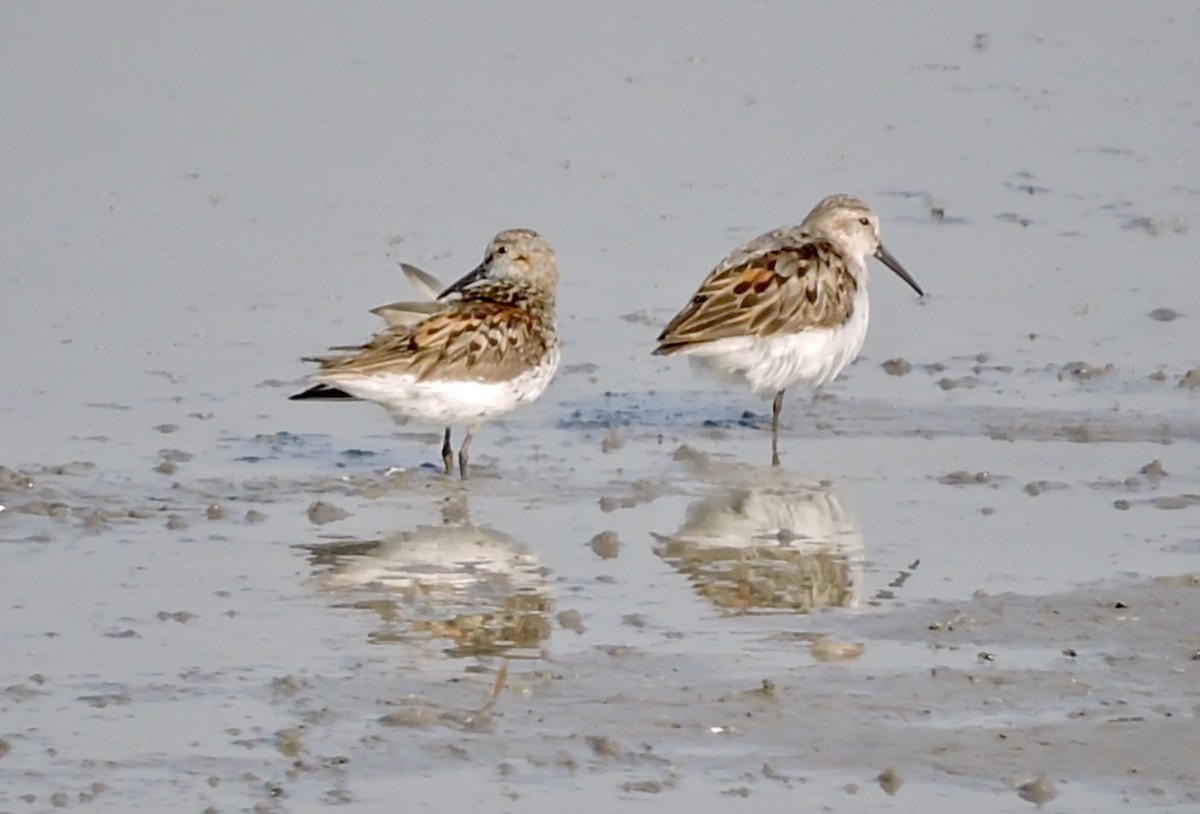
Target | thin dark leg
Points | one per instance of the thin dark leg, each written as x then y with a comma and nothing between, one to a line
776,409
447,453
462,453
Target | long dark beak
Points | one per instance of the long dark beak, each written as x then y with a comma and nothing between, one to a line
465,281
885,257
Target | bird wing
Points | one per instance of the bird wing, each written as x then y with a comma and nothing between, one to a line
477,340
801,285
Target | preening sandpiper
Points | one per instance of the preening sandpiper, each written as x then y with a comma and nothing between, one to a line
486,345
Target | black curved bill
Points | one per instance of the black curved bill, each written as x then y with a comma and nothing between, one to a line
885,257
464,282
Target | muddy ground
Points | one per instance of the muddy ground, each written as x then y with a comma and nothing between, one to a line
973,583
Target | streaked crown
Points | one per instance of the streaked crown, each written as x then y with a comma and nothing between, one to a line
522,256
846,220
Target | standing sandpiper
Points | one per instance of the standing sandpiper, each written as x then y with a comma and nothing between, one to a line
787,307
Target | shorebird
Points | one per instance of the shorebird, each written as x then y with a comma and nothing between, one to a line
486,345
788,307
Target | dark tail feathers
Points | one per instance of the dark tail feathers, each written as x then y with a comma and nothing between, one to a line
322,392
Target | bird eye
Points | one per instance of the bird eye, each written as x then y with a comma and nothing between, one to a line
501,250
865,221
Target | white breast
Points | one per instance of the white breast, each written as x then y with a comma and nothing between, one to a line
774,363
444,402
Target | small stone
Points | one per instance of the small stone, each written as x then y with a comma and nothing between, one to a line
1191,379
1154,469
1038,791
604,746
215,512
606,545
571,620
320,513
611,442
1164,314
897,367
890,781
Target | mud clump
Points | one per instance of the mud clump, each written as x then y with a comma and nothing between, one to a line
612,442
320,513
961,477
1083,372
890,781
961,383
14,480
1164,314
1035,488
1190,380
1038,791
606,545
571,620
604,746
1154,470
897,367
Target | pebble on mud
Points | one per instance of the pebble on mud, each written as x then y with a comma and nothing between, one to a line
255,516
176,522
961,476
964,382
1035,488
289,742
686,453
1082,371
897,367
606,545
890,781
320,513
13,480
612,442
1191,379
604,746
5,747
1153,470
215,512
1038,791
1164,314
412,717
571,620
828,649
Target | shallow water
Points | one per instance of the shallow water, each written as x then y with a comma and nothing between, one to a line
973,574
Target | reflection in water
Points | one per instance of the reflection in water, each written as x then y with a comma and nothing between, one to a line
482,590
785,547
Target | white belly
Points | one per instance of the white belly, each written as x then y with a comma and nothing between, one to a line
444,402
771,364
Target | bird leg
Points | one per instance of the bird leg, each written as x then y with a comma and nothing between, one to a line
462,453
776,409
447,453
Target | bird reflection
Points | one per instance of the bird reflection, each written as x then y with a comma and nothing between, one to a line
788,546
479,589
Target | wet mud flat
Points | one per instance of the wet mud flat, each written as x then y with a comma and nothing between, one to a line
927,615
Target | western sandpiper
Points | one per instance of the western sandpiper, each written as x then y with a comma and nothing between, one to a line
486,345
787,307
